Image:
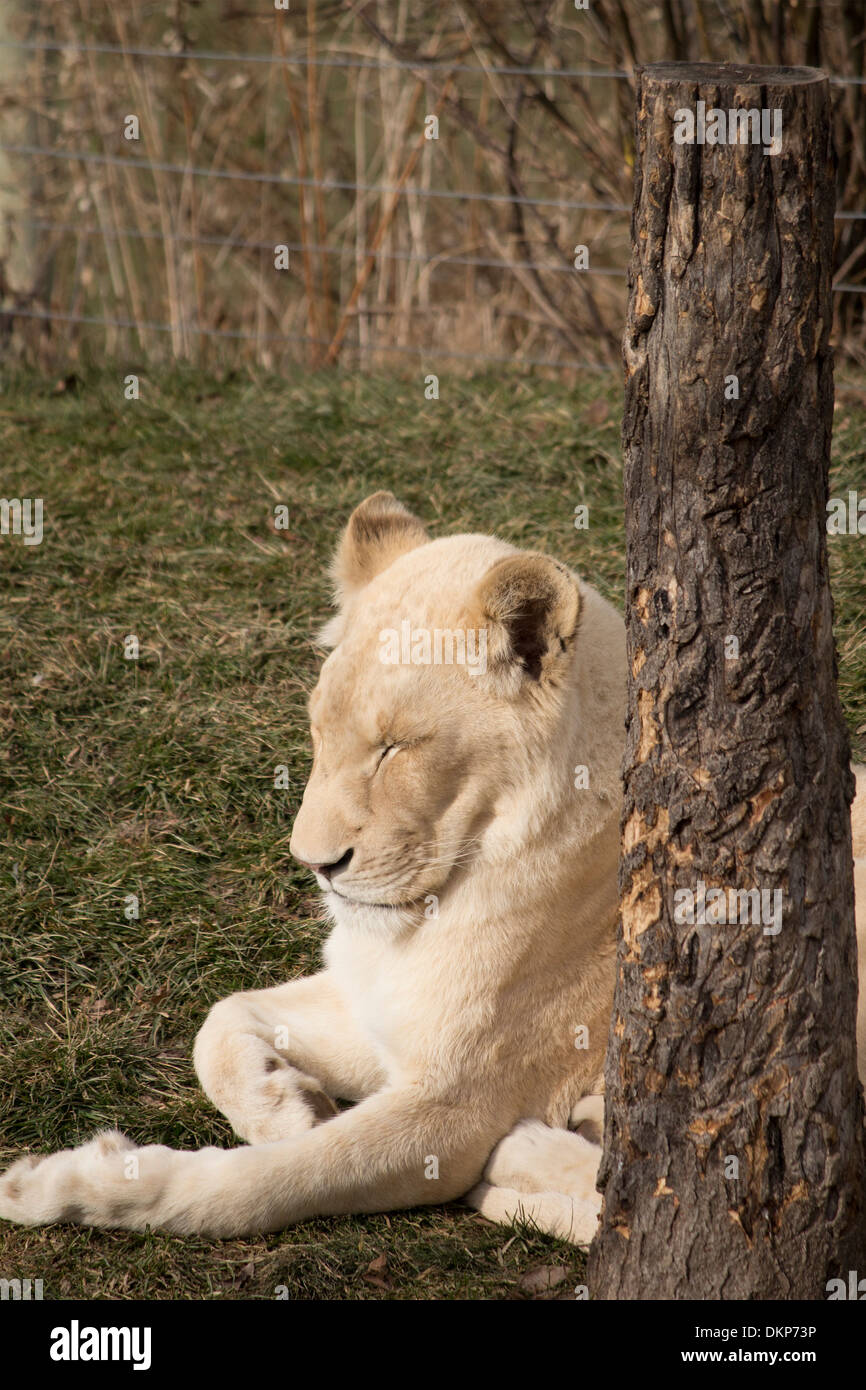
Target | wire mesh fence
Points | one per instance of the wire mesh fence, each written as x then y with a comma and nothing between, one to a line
185,197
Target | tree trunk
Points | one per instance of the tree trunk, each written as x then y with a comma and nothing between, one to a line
734,1156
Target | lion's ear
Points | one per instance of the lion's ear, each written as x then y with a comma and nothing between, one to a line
378,532
530,606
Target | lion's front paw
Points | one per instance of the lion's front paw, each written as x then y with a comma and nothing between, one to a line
51,1187
557,1214
284,1103
536,1158
97,1184
18,1189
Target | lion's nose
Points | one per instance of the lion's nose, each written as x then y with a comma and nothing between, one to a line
334,867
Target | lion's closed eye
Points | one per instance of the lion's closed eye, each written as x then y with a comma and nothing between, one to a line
389,747
386,752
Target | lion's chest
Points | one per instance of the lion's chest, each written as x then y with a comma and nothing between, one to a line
398,997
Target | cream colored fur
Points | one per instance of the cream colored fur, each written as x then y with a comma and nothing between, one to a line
473,935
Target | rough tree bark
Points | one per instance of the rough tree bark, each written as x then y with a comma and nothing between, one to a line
734,1156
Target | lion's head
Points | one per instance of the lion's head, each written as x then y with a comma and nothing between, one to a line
439,721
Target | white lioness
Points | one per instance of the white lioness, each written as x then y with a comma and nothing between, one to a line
471,881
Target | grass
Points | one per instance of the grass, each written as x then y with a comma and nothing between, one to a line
154,777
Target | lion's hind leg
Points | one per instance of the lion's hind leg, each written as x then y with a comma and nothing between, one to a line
543,1176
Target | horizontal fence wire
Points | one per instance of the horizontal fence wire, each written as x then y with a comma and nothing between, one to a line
338,61
332,185
294,181
429,261
433,260
432,65
371,349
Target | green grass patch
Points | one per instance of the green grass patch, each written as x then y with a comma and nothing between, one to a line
154,778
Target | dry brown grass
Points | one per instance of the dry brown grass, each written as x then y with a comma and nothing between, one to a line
129,240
